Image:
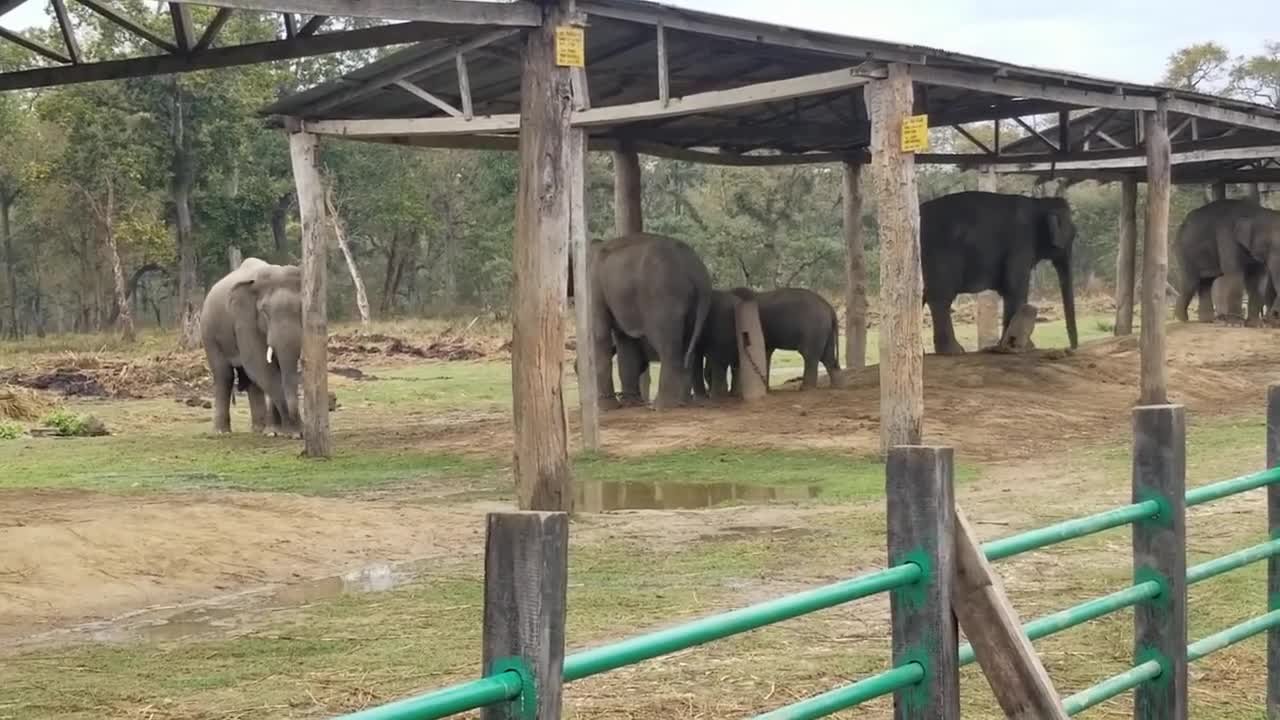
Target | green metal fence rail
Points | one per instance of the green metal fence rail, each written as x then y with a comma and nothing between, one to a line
505,687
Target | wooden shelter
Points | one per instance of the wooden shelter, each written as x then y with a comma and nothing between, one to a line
554,80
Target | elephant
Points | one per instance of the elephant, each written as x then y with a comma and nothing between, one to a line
652,289
251,325
975,241
1237,241
718,348
791,319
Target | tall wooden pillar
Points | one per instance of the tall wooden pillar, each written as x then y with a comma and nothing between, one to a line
627,216
584,300
1126,255
540,267
1254,192
855,289
1218,191
1155,258
987,306
889,101
304,150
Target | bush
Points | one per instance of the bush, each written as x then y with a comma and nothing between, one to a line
68,424
10,430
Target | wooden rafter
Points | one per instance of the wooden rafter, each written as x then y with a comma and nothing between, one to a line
215,27
969,136
1047,142
133,27
464,84
7,5
427,97
68,31
1103,117
664,80
310,27
34,47
290,25
1110,140
183,30
520,13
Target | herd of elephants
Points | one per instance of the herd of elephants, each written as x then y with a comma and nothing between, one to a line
655,301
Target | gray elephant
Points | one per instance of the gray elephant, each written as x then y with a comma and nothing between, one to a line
647,289
718,348
975,241
1237,241
791,319
252,330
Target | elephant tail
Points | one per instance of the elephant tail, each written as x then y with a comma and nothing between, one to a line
703,309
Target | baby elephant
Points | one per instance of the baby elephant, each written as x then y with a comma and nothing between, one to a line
801,320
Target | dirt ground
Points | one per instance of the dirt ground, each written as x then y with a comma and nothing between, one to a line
68,557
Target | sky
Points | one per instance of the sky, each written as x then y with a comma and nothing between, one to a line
1119,39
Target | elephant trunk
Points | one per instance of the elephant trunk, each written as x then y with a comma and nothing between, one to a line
1063,267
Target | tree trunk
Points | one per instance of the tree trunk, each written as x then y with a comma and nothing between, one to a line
362,299
180,189
10,263
279,226
388,275
125,321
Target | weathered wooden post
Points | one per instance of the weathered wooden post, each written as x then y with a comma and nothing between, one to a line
583,301
987,303
855,289
920,510
526,561
1155,259
1273,563
889,102
628,214
304,150
1160,554
753,370
1126,255
1218,191
540,269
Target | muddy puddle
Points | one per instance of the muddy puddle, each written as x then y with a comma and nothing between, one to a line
609,495
226,615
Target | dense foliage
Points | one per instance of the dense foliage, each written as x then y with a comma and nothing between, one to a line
133,195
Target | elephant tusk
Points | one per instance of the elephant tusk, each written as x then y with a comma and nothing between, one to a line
270,350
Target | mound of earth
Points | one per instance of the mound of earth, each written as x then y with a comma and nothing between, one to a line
96,376
442,347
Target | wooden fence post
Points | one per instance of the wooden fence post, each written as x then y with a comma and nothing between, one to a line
922,530
753,366
526,560
1126,255
1273,563
1153,376
1160,554
304,149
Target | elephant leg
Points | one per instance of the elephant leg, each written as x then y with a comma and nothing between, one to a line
944,335
260,413
632,370
1233,290
831,363
697,376
673,385
717,374
810,357
223,386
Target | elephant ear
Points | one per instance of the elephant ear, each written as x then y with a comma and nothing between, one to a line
1057,223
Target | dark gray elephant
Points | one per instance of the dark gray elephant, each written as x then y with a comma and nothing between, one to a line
792,319
975,241
1237,241
718,348
251,325
648,289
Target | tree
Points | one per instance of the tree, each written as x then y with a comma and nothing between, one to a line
1202,67
1257,77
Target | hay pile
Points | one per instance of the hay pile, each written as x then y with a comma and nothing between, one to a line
19,404
89,375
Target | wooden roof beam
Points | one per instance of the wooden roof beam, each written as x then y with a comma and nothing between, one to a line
7,5
129,25
214,27
34,47
311,26
68,31
746,95
520,13
1230,117
1138,160
184,31
1023,89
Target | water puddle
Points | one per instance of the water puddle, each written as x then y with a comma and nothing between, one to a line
227,614
608,495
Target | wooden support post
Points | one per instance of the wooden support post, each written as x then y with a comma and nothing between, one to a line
922,531
464,85
628,216
304,148
1218,191
1013,669
1126,255
889,102
540,268
1155,259
1273,563
753,366
664,77
1160,554
987,303
855,289
526,562
583,300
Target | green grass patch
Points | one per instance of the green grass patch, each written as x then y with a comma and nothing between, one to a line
437,385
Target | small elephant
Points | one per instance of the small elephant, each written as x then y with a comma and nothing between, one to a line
1237,241
795,319
251,325
648,289
976,241
718,348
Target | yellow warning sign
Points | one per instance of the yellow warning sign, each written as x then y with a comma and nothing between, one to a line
915,133
571,46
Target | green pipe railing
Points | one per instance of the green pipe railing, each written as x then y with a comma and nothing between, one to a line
1111,687
834,701
644,647
1069,530
1233,561
1234,486
448,701
1232,635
